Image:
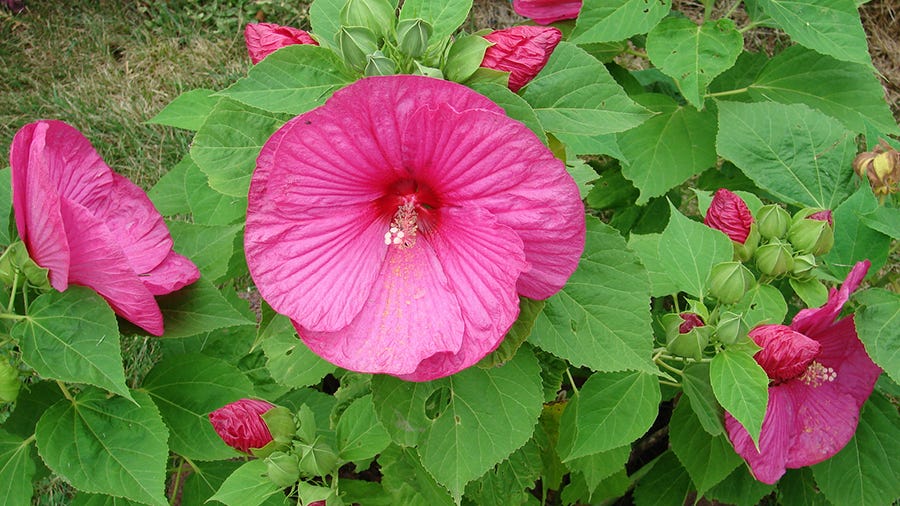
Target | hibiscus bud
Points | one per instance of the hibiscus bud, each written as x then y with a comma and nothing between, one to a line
785,352
729,213
521,50
730,327
803,266
263,39
686,334
376,15
356,43
242,426
544,12
412,36
775,258
283,469
881,167
812,231
729,281
744,252
377,64
772,221
9,382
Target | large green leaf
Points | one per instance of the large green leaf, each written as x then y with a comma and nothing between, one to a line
204,479
741,387
647,248
708,459
798,486
699,392
885,220
762,304
186,388
740,487
866,471
226,146
575,94
325,18
444,17
601,318
72,336
198,308
878,326
667,483
408,482
359,433
292,80
847,91
107,445
169,194
17,469
508,482
208,206
598,466
208,246
401,408
669,148
798,154
831,27
247,486
188,111
5,207
855,241
610,410
688,250
515,106
615,20
290,362
693,55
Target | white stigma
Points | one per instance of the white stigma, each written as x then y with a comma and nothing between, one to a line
404,227
817,374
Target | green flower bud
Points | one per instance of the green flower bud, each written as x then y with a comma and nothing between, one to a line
745,251
412,36
318,459
283,469
376,15
775,258
730,328
9,382
281,424
377,64
812,232
773,221
356,43
729,281
803,266
686,334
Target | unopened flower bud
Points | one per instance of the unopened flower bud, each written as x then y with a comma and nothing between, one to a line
265,38
377,64
812,231
283,469
729,213
729,281
356,43
545,12
242,426
881,167
803,266
745,251
775,258
376,15
730,328
521,50
772,221
686,334
412,36
9,382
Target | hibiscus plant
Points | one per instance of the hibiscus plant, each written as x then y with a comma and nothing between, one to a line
607,255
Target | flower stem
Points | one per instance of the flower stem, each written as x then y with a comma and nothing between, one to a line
65,391
571,380
12,316
669,383
737,91
638,53
177,483
12,293
731,9
664,365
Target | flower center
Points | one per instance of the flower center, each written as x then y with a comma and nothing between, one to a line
817,374
413,209
403,227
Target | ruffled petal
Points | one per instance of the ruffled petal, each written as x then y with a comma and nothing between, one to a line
825,419
814,320
768,463
843,352
785,353
489,161
174,273
263,39
99,263
410,315
547,11
482,260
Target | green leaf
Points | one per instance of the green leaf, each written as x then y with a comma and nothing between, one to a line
740,487
878,327
797,154
72,336
491,413
204,479
188,111
464,57
507,483
107,445
83,499
854,241
515,106
290,362
688,250
693,55
169,195
667,483
866,470
698,389
248,486
187,388
669,148
798,486
601,318
226,146
400,406
445,17
847,91
811,291
359,433
574,94
292,80
208,206
208,246
762,304
885,220
325,19
708,459
647,248
17,469
741,387
408,482
831,27
5,207
610,410
196,309
599,466
615,20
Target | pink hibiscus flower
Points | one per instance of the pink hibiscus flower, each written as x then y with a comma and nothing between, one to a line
522,51
240,424
820,377
265,38
397,224
90,226
545,12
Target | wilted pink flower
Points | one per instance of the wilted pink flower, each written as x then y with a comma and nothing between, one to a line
820,377
522,51
90,226
547,11
398,223
728,212
240,425
264,38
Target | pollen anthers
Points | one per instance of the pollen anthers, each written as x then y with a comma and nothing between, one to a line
817,374
404,226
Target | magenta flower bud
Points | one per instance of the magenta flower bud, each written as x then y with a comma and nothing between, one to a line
522,51
265,38
689,321
544,12
686,334
728,213
241,426
785,352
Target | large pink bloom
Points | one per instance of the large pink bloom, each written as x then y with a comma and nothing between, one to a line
398,223
547,11
263,39
820,377
90,226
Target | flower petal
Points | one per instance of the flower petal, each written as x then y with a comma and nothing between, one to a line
174,273
825,419
263,39
814,320
547,11
785,353
768,462
844,353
